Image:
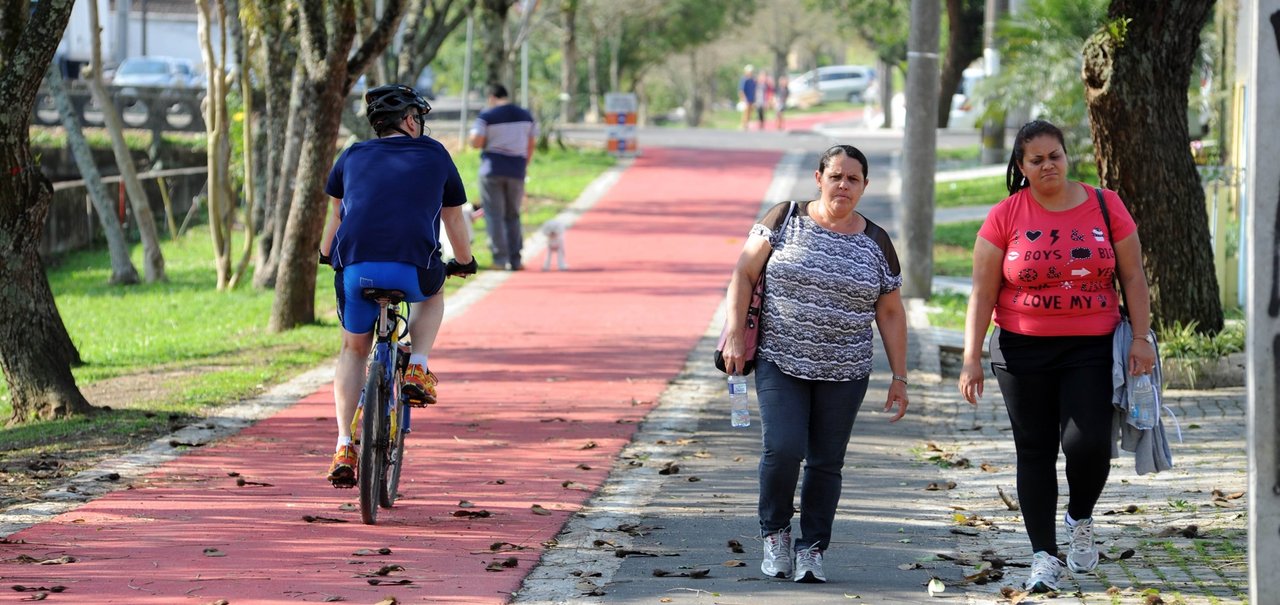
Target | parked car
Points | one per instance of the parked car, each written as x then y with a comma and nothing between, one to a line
157,72
831,83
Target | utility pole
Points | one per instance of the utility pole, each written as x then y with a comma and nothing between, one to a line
1260,35
920,149
992,128
121,50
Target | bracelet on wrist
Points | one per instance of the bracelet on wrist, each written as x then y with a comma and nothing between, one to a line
902,379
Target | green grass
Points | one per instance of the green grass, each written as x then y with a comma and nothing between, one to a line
196,348
137,140
953,248
981,191
947,310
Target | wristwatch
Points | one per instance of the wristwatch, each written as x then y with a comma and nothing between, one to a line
902,379
1150,338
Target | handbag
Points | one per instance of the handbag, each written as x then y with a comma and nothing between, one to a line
755,306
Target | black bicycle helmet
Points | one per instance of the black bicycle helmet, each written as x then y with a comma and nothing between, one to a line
386,105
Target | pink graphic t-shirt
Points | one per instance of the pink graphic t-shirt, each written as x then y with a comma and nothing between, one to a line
1058,266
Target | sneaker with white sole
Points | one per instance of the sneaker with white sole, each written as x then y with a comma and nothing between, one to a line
1046,571
809,566
1083,555
777,554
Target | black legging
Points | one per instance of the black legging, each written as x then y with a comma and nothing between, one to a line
1057,390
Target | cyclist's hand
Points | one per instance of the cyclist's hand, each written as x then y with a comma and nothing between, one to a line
453,267
325,259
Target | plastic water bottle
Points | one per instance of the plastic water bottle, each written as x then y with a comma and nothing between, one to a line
1143,406
739,413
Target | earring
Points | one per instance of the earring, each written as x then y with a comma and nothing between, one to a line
1024,181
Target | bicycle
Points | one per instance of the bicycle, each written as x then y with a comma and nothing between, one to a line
381,434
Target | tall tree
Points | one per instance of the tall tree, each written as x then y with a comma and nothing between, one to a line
35,351
569,60
152,256
427,23
884,26
222,200
122,270
1136,73
328,32
283,125
496,47
964,45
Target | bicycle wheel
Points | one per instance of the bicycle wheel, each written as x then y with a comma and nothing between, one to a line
371,462
395,452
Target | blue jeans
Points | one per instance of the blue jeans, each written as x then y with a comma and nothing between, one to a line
809,421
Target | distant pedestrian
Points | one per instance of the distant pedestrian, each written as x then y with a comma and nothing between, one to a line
764,98
831,273
780,94
506,133
1044,261
747,94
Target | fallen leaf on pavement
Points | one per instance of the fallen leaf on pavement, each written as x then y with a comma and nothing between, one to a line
691,573
669,468
213,552
218,602
936,586
28,559
367,552
497,546
935,486
538,510
1128,510
584,467
471,514
987,467
1009,503
241,483
575,485
502,565
736,547
347,506
465,504
315,519
623,553
382,582
910,566
734,563
387,601
333,598
21,588
588,445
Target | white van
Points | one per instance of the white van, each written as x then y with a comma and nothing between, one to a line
831,83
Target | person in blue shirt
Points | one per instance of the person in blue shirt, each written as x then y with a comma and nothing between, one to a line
390,196
506,134
747,94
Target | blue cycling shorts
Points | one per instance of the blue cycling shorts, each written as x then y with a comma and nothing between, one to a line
359,315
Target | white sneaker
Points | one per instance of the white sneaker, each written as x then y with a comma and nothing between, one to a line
1046,570
1083,555
809,566
777,554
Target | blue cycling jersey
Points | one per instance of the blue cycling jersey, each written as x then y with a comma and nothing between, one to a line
392,191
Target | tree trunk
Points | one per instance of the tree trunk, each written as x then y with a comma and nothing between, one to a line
36,352
122,270
279,36
1136,81
286,183
326,40
593,83
493,41
217,150
964,45
569,62
152,257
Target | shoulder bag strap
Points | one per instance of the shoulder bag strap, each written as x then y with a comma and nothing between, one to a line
1106,220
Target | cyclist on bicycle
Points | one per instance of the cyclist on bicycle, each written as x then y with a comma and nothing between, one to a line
390,196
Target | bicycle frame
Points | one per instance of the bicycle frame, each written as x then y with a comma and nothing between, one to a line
393,359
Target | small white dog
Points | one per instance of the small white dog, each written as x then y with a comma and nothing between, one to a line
470,214
554,232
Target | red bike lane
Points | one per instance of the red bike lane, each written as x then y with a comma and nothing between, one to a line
543,382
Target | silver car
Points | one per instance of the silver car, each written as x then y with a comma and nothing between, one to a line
831,83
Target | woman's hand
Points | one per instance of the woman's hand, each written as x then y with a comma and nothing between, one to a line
733,352
1142,357
897,398
971,381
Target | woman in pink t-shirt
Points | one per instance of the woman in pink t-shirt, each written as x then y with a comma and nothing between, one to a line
1045,262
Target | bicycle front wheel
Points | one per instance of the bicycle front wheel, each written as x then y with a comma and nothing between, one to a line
371,461
395,451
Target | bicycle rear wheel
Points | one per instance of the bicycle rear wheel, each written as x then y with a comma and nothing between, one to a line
371,461
395,451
